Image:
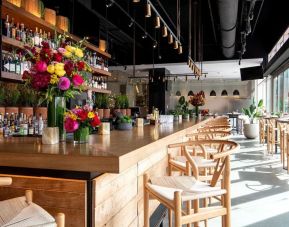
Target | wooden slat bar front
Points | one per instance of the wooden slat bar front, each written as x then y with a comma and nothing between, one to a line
98,184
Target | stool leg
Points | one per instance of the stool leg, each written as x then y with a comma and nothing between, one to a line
60,220
146,202
178,209
170,218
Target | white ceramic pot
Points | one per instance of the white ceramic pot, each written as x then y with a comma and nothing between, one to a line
251,131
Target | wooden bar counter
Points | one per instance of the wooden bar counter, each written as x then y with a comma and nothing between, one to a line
95,184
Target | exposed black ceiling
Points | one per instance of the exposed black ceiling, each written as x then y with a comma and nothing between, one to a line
112,24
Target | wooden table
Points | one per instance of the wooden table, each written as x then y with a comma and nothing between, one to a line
95,184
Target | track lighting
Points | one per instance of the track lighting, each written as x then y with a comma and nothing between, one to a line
155,44
157,22
164,31
148,10
109,3
176,45
170,39
145,35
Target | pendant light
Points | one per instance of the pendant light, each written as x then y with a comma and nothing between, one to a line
176,45
157,22
164,31
224,93
135,1
170,39
148,10
191,93
236,93
180,50
213,93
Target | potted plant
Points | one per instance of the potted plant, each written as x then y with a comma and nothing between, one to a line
124,123
2,100
117,103
251,129
11,98
183,105
123,104
28,100
126,105
98,103
197,100
105,106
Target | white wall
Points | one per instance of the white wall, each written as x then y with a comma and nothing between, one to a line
216,104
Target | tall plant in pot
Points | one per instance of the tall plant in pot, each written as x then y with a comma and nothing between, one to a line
126,105
123,104
2,100
183,104
11,98
99,105
28,100
251,129
117,103
105,106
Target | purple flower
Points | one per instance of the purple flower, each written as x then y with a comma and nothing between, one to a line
63,83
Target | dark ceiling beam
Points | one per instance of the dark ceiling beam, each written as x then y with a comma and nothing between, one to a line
256,21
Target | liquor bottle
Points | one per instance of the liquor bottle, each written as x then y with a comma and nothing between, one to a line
36,37
40,125
30,128
18,32
7,27
40,37
23,33
13,29
49,39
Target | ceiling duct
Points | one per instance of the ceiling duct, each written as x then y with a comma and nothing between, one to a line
228,11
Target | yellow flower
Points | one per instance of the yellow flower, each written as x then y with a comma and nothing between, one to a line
90,115
60,72
70,48
67,54
59,66
78,52
54,79
50,69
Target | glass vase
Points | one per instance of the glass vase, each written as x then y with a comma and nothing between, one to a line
55,115
197,111
81,135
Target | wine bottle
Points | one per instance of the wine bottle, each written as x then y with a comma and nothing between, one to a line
13,29
23,33
36,37
7,27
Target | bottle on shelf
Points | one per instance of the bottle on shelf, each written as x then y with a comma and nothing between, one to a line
30,127
40,37
22,33
7,27
18,32
36,37
13,29
40,125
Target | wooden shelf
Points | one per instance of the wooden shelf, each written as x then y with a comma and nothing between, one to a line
31,21
97,90
100,71
11,76
17,44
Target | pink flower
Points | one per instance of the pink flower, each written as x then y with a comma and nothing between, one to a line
41,66
77,80
61,50
70,125
63,83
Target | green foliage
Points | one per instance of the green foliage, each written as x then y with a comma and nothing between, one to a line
2,95
11,94
29,97
102,101
121,102
182,107
118,102
125,101
124,119
182,100
253,111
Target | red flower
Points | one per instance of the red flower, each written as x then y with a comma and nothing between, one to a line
80,65
77,80
95,122
82,115
45,44
68,67
40,81
57,57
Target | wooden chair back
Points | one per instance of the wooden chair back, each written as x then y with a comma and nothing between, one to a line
209,135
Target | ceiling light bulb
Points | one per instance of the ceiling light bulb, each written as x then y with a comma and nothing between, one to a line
176,44
145,35
165,31
148,10
180,50
157,22
109,4
135,1
155,44
130,24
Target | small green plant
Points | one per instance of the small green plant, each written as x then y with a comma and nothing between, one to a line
117,102
2,95
29,97
105,102
98,101
11,95
124,119
125,102
254,111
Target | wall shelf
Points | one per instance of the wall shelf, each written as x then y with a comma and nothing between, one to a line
31,21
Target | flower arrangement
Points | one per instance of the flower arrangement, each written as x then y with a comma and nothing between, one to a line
60,72
80,117
197,99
